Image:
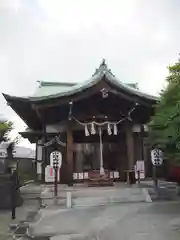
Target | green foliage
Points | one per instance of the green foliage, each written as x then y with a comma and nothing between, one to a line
5,129
164,128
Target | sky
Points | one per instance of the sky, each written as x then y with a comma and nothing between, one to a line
65,40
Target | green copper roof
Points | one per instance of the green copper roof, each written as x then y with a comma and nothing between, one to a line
52,90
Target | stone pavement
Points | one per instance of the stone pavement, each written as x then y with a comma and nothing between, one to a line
5,220
30,193
95,222
166,190
144,221
21,215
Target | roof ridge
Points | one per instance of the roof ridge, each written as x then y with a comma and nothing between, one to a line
53,83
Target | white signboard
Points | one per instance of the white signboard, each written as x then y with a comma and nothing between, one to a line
157,157
140,167
50,174
141,175
56,157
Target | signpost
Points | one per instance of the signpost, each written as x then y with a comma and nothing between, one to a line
157,160
56,162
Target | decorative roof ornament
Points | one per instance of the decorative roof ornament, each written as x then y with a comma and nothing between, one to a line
103,68
103,65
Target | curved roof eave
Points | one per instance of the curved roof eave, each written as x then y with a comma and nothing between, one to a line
9,97
93,81
73,90
22,107
129,89
77,88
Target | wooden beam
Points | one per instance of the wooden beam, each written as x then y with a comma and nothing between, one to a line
38,113
131,98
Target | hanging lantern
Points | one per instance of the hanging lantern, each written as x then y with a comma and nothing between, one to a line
109,129
93,130
115,129
86,131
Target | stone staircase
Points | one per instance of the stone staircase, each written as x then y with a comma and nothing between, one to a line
88,197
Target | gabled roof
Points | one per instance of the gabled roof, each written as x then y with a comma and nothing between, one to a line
53,90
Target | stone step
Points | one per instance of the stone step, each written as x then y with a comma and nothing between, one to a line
104,197
163,194
98,201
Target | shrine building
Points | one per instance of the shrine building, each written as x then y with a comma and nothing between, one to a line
97,125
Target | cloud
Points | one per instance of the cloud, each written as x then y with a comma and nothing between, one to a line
13,5
65,40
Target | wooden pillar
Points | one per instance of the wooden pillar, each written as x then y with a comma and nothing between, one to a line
39,168
69,165
36,159
142,142
43,165
130,146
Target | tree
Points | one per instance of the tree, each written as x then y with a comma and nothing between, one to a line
6,128
164,128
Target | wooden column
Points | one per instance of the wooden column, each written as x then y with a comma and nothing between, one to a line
36,159
142,142
43,164
69,156
130,146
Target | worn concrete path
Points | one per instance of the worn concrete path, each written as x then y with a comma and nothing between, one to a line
21,215
144,221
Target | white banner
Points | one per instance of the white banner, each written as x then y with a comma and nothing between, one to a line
140,167
50,174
